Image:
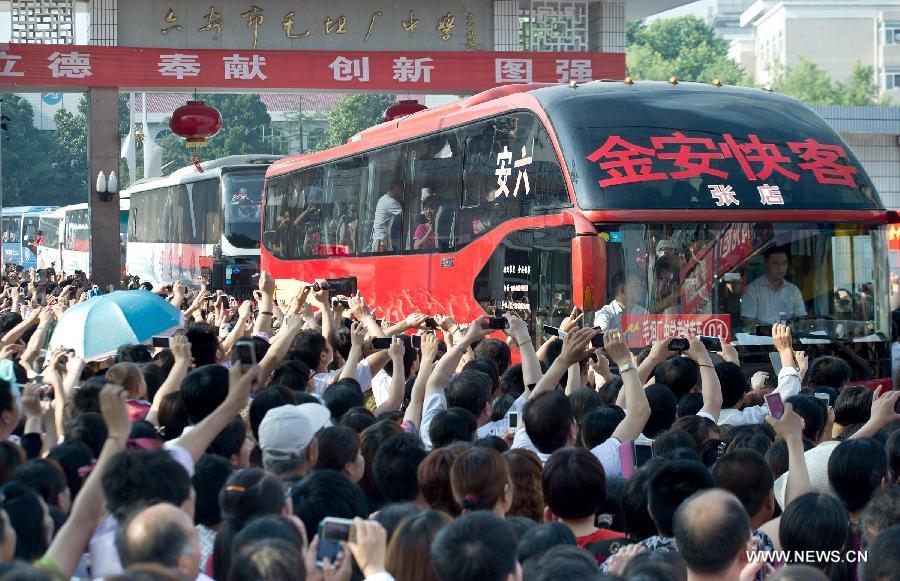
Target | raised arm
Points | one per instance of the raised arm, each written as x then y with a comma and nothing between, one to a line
72,539
245,311
181,350
636,406
267,288
788,377
357,339
790,428
659,352
38,338
884,411
398,378
709,380
16,332
362,313
576,346
280,345
447,365
531,367
426,366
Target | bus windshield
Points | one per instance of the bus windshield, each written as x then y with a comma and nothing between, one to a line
732,280
243,205
706,150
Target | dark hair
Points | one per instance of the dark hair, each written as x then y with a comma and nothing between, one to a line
853,406
327,493
270,398
663,406
210,475
46,477
776,250
203,390
548,420
248,494
689,405
142,477
268,560
561,563
709,539
855,470
165,544
609,391
733,383
72,456
172,416
26,516
338,445
829,371
370,439
433,477
574,483
638,523
757,437
488,367
831,392
452,425
392,515
135,353
543,537
494,350
893,453
308,347
9,321
408,555
154,376
679,374
7,399
342,396
395,467
882,512
698,428
204,342
584,400
474,547
598,425
85,399
501,406
526,471
230,440
470,390
493,442
270,527
293,374
745,474
358,419
669,442
512,381
883,559
777,456
479,477
814,522
669,485
11,457
656,566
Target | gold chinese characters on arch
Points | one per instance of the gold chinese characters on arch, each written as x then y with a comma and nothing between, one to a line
293,24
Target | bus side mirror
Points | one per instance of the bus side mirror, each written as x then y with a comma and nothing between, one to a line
588,272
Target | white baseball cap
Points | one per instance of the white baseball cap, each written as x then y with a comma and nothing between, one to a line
289,429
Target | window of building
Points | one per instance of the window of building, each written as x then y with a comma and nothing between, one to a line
892,80
892,33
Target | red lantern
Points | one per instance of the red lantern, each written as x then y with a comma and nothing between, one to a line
402,109
196,122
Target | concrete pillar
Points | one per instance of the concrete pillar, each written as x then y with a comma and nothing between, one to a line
103,155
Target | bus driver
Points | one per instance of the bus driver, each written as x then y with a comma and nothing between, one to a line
770,295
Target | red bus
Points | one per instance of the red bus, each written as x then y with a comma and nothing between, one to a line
664,208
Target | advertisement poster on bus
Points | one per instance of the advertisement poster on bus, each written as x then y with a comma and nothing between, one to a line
728,249
644,330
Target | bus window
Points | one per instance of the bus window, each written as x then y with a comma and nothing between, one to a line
50,228
243,198
381,206
12,229
433,195
203,218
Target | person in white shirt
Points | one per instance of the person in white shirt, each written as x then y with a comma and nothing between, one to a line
388,208
770,295
629,291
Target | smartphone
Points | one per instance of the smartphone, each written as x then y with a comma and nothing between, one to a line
430,323
597,341
381,342
338,286
633,455
513,422
824,397
496,323
679,344
643,451
246,353
163,342
416,340
711,343
552,331
333,532
776,406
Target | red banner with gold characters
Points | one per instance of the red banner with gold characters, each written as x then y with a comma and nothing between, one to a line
645,330
33,65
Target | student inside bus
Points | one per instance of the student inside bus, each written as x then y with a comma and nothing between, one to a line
425,236
770,295
386,224
629,293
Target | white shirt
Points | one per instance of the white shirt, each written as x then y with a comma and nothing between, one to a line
386,209
610,316
764,303
363,376
607,452
788,386
437,402
381,387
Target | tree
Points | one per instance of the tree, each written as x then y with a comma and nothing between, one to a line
813,85
353,113
28,176
245,124
687,48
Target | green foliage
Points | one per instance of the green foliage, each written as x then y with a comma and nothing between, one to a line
687,48
352,114
29,177
245,125
813,85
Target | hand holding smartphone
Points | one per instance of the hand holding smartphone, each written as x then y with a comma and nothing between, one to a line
332,533
246,353
776,405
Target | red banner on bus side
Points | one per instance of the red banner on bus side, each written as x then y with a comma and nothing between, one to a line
644,330
66,66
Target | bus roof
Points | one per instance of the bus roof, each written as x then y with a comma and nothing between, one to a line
16,210
211,168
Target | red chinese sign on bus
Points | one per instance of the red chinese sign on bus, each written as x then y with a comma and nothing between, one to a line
644,330
625,162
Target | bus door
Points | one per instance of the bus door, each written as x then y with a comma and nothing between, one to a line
12,239
551,276
30,226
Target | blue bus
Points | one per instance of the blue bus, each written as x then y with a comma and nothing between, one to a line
20,226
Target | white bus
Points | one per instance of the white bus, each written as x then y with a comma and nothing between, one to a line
20,226
66,240
199,222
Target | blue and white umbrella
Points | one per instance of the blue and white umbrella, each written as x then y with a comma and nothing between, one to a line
101,324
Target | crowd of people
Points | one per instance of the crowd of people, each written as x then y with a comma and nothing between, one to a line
454,452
